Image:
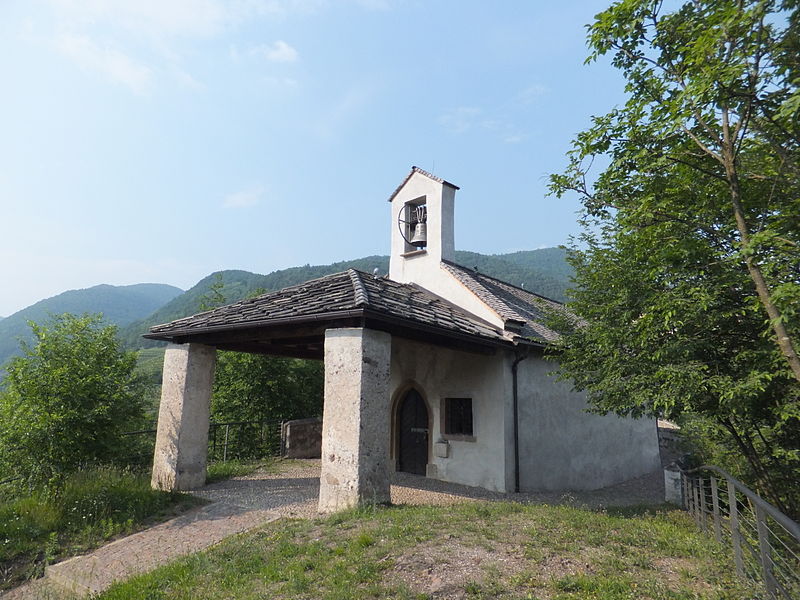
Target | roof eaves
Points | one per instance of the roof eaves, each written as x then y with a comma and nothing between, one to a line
500,340
313,318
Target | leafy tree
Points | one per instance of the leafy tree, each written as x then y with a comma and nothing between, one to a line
214,297
67,399
689,272
254,387
713,94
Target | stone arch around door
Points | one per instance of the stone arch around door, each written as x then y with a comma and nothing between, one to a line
412,421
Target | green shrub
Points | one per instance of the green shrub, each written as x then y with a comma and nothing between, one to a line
67,401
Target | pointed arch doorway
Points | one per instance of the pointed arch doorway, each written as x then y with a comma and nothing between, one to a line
412,433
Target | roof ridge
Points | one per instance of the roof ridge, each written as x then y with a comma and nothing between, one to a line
361,296
511,314
503,281
416,169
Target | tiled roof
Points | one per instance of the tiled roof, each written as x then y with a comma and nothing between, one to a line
348,291
421,172
523,312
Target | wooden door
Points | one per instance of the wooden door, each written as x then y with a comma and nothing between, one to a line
412,423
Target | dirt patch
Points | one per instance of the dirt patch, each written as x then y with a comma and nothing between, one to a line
451,568
446,568
680,572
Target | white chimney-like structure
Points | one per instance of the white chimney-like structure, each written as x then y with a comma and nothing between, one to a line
407,263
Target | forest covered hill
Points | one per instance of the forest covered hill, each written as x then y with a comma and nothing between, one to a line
120,305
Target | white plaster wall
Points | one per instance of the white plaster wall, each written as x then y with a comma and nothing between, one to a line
562,447
440,373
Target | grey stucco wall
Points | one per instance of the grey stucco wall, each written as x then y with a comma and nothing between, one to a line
441,373
562,447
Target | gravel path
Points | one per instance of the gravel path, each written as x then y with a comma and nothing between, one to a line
292,488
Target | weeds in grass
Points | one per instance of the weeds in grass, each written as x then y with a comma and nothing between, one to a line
40,526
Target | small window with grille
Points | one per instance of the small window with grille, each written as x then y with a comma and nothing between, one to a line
457,419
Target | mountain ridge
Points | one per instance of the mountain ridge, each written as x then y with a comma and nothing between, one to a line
120,305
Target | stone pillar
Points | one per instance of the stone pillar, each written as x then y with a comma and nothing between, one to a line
181,451
673,485
356,420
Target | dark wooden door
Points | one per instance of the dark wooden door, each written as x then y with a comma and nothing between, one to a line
412,422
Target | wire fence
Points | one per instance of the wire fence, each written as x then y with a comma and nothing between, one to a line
233,440
765,543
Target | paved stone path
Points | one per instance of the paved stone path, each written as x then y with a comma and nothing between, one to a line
245,502
141,552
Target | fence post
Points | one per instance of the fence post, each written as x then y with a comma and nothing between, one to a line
697,515
715,508
763,546
703,511
225,446
734,522
687,492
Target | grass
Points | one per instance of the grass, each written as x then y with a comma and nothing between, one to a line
472,550
217,471
93,506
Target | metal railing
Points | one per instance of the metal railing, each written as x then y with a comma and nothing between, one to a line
232,440
765,542
243,439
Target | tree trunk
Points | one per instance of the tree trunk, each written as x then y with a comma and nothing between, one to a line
754,269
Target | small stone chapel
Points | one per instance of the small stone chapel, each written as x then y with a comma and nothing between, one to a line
436,370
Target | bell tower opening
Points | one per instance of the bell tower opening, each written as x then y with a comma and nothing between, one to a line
413,224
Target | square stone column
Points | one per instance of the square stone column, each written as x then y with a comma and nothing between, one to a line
181,450
356,420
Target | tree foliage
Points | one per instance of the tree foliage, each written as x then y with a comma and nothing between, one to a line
253,387
689,271
67,399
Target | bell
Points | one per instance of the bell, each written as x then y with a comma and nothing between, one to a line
420,237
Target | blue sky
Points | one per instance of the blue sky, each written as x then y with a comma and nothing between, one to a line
161,140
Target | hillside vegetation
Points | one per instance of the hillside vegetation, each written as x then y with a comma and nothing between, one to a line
543,271
120,305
